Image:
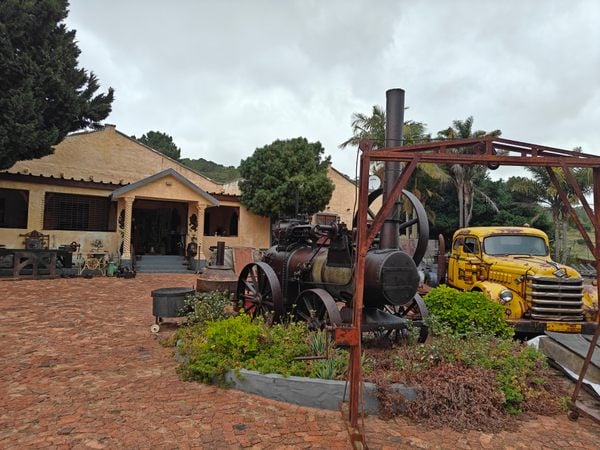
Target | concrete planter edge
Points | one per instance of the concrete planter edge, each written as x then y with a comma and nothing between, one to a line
312,392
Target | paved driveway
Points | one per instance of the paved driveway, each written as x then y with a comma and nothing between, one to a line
80,369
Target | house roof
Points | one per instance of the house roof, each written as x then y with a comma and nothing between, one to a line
157,176
107,156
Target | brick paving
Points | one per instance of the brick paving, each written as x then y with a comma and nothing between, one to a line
80,369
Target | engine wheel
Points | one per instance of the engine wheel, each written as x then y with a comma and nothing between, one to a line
318,309
259,292
413,207
416,311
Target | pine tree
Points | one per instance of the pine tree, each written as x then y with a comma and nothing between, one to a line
44,95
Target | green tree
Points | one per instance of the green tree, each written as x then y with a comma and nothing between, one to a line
162,142
463,176
286,176
44,95
373,127
541,188
511,208
214,171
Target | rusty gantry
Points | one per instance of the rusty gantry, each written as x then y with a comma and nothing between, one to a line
493,152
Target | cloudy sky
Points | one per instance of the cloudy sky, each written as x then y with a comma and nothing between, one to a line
225,77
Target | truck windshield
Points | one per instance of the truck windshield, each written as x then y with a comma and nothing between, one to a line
515,245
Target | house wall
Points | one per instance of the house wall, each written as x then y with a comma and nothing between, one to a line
11,238
253,231
342,199
109,156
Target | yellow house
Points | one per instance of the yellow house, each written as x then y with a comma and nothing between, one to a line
105,186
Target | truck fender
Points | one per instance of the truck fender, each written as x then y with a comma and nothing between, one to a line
514,309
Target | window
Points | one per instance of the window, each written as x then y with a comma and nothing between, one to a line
78,212
14,205
221,221
471,245
457,243
515,245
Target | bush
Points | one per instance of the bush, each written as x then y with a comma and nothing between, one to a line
212,348
201,307
467,312
220,346
282,344
470,380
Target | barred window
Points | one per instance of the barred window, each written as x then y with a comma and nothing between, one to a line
77,212
14,205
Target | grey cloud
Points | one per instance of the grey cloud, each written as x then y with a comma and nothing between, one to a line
225,77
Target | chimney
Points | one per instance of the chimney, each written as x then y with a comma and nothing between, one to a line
394,137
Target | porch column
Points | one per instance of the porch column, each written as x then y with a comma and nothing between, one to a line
126,256
200,257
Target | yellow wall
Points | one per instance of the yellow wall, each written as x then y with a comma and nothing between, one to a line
253,231
342,199
110,156
35,220
165,188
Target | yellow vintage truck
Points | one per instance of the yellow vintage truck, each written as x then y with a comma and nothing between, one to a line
512,266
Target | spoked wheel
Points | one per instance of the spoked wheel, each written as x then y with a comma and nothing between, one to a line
416,311
259,292
411,207
318,309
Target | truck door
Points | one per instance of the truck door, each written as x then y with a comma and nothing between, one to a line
464,262
469,260
453,261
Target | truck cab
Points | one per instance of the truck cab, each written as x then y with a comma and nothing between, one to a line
512,266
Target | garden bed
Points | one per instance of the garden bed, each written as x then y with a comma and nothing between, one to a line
472,379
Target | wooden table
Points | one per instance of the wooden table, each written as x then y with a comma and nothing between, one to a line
41,262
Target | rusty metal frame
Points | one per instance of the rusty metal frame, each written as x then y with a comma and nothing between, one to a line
493,152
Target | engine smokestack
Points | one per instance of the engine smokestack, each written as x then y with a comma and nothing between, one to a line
394,137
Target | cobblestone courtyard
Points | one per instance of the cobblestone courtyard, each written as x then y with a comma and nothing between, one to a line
80,369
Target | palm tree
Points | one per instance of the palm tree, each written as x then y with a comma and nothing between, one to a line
540,187
373,127
367,127
463,176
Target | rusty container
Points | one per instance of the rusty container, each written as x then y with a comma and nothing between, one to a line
218,277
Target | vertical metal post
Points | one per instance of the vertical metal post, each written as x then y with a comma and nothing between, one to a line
220,259
590,353
394,137
362,247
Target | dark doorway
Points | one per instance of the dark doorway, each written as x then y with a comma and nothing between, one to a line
159,227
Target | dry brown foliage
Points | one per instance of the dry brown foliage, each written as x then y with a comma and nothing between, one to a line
453,394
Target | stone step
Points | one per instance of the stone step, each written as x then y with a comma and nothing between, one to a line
164,270
161,264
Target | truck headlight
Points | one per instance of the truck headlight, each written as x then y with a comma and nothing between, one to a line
505,296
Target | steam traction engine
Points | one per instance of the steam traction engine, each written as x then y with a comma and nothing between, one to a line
309,274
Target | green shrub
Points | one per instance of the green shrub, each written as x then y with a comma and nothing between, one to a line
212,348
283,343
467,312
203,307
221,346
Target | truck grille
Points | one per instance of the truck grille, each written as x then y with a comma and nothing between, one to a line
555,298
